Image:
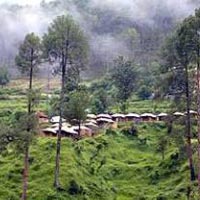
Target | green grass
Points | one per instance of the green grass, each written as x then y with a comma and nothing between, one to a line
111,166
142,106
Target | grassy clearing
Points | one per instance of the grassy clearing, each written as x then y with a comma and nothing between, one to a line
111,166
142,106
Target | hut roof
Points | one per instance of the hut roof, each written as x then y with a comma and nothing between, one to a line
69,130
106,120
162,115
50,130
76,128
178,114
90,124
118,115
192,112
148,115
91,116
91,120
56,119
65,124
135,115
104,116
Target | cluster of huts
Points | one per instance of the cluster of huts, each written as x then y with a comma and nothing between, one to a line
95,122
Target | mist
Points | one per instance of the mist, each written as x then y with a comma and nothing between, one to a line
19,17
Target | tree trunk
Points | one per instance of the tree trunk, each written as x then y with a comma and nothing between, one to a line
79,128
198,114
59,135
163,155
26,154
25,173
188,126
30,89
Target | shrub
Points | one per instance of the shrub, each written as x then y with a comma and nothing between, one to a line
74,188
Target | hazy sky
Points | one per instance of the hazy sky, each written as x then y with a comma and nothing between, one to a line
22,2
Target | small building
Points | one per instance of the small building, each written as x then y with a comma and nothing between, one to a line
69,132
49,132
178,114
148,117
118,117
162,116
91,121
102,122
132,117
42,117
91,116
56,119
91,125
104,116
84,131
192,113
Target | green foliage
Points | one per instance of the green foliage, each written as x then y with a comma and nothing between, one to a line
144,92
34,97
77,105
29,53
162,145
4,77
66,41
124,78
100,101
107,167
6,136
26,128
103,95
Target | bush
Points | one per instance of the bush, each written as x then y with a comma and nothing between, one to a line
74,188
131,131
144,93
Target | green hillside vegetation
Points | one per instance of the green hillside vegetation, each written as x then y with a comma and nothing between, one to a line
112,165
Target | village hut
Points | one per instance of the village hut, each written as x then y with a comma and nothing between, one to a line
118,117
69,132
42,117
56,125
104,116
192,113
65,131
132,117
104,122
148,117
162,116
91,116
91,125
49,132
84,131
178,115
91,121
56,119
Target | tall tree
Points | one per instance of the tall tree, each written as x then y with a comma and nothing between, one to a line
66,45
28,58
124,78
194,27
178,57
197,51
